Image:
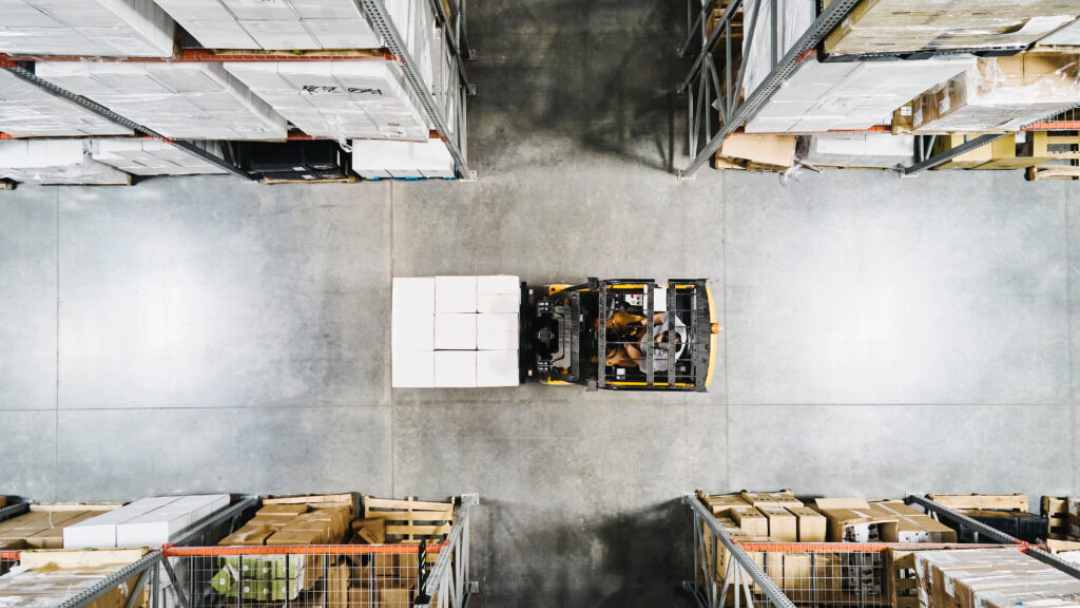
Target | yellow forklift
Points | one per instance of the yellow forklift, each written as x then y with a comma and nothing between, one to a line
620,334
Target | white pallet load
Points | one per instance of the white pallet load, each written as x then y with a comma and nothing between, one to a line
122,28
55,162
144,522
302,24
28,111
822,96
455,331
366,99
178,100
871,150
373,159
794,18
147,157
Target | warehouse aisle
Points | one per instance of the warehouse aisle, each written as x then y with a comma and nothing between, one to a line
206,334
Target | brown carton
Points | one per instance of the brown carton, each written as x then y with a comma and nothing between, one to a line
811,525
370,531
783,498
782,523
751,522
395,597
852,520
361,598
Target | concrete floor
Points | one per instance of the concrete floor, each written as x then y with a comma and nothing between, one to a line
880,336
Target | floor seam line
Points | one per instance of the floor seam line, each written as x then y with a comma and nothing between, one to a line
56,415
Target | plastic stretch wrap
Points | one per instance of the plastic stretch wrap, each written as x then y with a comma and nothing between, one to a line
56,162
344,99
402,159
855,95
28,111
148,157
1000,94
899,26
85,27
873,150
178,100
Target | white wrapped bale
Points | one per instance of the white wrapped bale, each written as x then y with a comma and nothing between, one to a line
402,159
871,150
55,162
178,100
850,95
342,99
134,28
28,111
147,157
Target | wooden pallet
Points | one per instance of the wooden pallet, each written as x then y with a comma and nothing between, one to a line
352,179
1062,172
410,520
982,502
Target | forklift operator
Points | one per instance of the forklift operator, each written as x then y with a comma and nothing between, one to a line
631,330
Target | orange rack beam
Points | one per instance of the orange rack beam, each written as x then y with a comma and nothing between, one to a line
212,56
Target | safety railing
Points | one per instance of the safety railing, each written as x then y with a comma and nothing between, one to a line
327,576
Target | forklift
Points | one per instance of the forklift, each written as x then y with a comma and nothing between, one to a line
620,334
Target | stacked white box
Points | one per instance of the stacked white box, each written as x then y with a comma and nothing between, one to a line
144,522
796,16
498,294
152,157
28,111
276,24
455,331
455,368
874,150
365,99
133,28
412,332
179,100
402,159
850,95
55,162
475,322
306,24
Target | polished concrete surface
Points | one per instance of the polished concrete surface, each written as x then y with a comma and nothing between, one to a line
881,336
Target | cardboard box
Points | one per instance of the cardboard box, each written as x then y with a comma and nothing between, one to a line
762,149
913,525
455,331
455,294
374,159
86,27
361,598
500,294
783,525
852,520
811,524
395,597
497,331
413,314
455,369
370,531
496,368
751,521
902,26
413,370
783,498
1000,94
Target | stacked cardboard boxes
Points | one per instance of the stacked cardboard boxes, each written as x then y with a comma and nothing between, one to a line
53,578
150,157
372,159
43,526
907,26
991,578
859,521
315,520
1000,94
455,331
